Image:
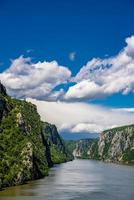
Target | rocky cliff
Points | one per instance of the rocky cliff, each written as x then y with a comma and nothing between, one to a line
114,145
81,149
28,147
117,145
58,150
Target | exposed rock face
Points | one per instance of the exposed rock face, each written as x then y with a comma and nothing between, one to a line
27,162
114,145
82,146
22,151
24,126
57,147
28,147
27,154
117,145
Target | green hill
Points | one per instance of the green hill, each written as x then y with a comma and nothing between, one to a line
28,147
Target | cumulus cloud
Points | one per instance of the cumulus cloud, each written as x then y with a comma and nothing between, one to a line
98,78
81,117
84,89
103,77
36,80
72,56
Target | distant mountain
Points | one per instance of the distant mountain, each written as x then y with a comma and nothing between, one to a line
80,148
78,136
28,147
114,145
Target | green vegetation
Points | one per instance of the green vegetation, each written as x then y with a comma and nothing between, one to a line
81,147
120,128
128,156
119,144
94,154
114,145
59,152
71,145
19,128
26,148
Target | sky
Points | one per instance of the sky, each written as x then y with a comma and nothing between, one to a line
73,59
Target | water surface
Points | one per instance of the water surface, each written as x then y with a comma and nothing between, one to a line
78,180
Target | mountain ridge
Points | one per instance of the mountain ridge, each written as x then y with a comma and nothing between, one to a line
24,149
114,145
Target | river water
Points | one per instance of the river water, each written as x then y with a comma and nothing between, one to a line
78,180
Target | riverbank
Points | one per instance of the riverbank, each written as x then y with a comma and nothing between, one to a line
78,180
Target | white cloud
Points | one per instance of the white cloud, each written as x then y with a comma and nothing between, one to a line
84,89
36,80
87,127
72,56
103,77
98,78
125,109
81,117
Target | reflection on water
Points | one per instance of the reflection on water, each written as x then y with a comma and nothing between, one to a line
79,179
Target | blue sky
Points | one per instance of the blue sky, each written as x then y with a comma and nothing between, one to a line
54,30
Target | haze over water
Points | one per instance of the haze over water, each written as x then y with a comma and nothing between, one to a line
81,180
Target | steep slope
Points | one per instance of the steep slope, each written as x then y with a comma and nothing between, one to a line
117,145
59,152
114,145
24,151
82,146
71,145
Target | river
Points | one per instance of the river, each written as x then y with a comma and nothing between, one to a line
78,180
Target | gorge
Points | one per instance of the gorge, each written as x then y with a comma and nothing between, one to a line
29,147
114,145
